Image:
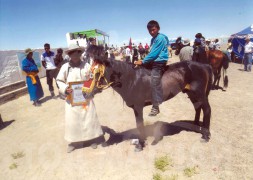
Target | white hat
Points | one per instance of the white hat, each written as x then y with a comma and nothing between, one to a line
28,50
186,42
74,47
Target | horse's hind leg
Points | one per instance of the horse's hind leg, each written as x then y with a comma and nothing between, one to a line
206,120
197,107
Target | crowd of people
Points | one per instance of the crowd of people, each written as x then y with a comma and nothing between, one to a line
81,125
197,52
81,121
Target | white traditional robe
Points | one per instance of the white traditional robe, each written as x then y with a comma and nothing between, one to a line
80,124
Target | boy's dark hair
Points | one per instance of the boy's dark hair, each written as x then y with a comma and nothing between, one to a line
152,24
198,35
46,45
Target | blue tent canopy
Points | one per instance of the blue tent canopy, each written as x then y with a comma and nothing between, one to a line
238,40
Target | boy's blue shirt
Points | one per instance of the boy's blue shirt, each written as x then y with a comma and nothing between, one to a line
159,49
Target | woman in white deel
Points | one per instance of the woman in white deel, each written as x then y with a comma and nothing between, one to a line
81,124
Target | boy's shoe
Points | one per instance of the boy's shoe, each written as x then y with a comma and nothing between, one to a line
154,111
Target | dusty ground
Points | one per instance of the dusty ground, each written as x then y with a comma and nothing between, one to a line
38,133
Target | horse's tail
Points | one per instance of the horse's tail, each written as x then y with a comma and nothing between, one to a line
225,65
225,61
210,81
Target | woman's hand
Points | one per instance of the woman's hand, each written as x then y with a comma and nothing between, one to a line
139,62
68,90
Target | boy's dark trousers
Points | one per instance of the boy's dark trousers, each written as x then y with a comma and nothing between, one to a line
156,85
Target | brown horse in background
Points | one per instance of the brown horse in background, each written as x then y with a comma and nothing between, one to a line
218,60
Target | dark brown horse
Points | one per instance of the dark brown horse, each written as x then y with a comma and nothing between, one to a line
134,86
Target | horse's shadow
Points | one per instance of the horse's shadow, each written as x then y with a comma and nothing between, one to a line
5,124
157,130
240,69
218,87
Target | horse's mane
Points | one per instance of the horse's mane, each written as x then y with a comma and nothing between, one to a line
128,68
176,65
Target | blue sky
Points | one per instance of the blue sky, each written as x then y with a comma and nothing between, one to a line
31,23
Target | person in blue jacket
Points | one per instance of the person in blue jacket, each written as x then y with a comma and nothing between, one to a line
157,58
32,79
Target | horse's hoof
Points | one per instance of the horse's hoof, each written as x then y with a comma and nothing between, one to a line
138,148
205,138
104,144
154,142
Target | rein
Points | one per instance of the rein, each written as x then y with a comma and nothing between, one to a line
97,69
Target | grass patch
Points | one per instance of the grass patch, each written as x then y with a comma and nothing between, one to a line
172,177
157,176
17,155
13,166
189,172
163,163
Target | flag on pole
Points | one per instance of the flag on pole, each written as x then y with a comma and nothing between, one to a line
130,44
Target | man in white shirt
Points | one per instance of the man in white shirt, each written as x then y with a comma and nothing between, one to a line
248,51
128,54
186,52
47,59
216,45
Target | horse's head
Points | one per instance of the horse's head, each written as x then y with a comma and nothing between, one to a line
101,78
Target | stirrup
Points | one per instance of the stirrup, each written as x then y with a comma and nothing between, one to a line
154,112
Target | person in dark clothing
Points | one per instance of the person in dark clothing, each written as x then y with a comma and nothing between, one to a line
199,53
135,55
58,61
47,60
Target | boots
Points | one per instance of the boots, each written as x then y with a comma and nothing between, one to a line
53,95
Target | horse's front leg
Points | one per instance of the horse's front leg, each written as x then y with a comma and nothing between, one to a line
138,112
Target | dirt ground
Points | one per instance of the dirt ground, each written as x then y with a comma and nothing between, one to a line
35,135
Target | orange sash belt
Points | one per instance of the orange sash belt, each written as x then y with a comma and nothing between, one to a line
32,76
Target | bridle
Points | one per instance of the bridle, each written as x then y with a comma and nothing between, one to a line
97,69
